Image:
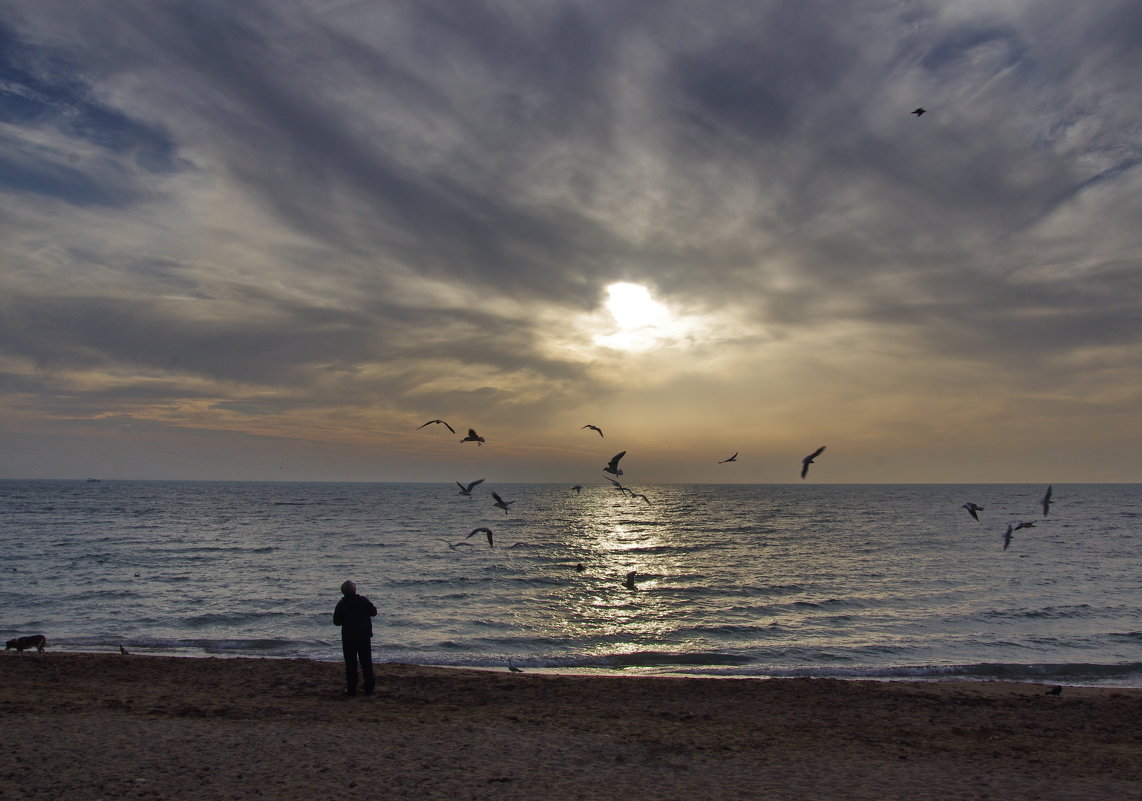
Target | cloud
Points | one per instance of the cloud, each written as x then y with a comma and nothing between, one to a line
216,213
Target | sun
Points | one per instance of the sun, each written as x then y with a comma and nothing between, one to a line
639,321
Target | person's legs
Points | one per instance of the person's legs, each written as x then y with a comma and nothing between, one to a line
365,654
349,651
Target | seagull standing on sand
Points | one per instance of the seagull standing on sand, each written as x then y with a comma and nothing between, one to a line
593,428
482,530
1046,501
472,437
613,465
441,422
808,460
499,504
466,489
733,458
972,509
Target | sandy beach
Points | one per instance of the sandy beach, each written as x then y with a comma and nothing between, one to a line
92,726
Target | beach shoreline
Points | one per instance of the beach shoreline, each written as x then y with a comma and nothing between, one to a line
140,726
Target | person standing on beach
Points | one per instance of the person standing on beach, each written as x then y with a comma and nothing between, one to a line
354,614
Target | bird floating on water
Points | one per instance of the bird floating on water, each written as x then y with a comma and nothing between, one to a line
466,489
808,460
441,422
1046,501
972,509
499,504
578,488
482,530
593,428
628,582
472,437
733,458
613,465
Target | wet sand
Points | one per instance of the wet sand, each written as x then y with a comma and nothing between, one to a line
92,726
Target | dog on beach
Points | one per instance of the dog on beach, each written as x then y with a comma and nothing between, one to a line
37,641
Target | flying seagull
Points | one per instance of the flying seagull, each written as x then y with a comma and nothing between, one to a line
578,488
1007,536
733,458
613,465
454,545
466,489
1046,501
499,504
481,530
972,509
808,460
593,428
619,486
1024,524
472,437
441,422
920,111
640,495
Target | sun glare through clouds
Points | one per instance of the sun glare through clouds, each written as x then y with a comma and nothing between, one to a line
639,321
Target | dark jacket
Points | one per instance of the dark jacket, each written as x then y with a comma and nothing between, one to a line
354,615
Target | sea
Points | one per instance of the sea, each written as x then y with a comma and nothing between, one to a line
848,581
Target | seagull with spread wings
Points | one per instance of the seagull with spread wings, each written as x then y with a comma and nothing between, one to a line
593,428
972,509
808,460
501,504
1046,501
472,437
441,422
482,530
613,465
733,458
466,489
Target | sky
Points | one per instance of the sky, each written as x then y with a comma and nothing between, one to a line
269,240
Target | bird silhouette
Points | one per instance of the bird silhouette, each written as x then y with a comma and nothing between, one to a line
920,112
1046,501
466,489
482,530
808,460
593,428
733,458
501,504
628,582
441,422
473,437
1007,536
578,488
613,465
972,509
